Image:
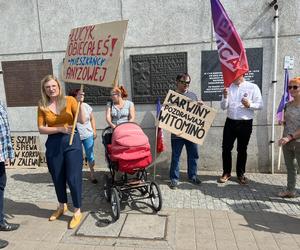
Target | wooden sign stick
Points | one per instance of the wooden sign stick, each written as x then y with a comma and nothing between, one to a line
75,119
116,80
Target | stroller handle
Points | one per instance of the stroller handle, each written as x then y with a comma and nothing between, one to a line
108,128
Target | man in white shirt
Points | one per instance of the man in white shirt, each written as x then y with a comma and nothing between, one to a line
240,100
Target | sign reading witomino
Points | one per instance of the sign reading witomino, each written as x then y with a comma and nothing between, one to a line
186,118
93,54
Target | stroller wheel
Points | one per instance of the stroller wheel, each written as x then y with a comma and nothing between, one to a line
155,196
115,204
107,187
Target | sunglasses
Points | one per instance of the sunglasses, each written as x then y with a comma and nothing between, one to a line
294,87
112,94
185,82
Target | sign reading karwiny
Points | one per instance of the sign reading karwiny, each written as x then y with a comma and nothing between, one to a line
93,53
185,118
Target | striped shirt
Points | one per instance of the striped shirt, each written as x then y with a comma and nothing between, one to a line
6,148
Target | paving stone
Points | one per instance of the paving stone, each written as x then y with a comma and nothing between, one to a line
251,210
247,245
101,224
144,226
226,244
259,195
244,236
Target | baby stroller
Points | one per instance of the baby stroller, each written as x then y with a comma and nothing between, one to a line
127,150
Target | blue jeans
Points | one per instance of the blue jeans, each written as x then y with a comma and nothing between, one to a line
177,144
88,145
2,187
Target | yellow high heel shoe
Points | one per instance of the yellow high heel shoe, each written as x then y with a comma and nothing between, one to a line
75,220
59,212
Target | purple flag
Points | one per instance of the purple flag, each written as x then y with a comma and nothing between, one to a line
286,97
231,51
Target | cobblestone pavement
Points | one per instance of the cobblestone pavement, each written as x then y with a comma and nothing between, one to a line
209,216
35,185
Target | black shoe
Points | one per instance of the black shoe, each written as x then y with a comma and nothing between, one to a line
195,181
242,180
94,181
5,226
3,243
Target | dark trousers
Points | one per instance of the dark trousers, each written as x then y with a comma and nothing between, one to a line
2,187
240,130
291,151
65,166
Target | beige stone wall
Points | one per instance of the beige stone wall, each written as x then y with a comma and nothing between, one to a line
35,29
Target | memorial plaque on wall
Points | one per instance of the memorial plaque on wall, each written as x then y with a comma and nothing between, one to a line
22,81
94,95
152,75
212,84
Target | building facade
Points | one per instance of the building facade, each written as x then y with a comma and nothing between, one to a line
38,29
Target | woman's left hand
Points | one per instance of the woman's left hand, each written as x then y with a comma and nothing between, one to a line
80,96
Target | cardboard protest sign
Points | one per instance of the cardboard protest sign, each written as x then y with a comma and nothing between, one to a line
186,118
93,54
27,151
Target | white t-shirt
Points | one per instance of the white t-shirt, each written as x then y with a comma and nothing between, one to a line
85,130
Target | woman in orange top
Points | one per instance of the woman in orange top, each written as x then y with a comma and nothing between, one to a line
56,114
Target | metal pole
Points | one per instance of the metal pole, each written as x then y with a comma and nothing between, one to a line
274,82
155,150
280,148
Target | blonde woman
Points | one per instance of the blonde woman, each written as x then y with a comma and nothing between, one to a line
56,114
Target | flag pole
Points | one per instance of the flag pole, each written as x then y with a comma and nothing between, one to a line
155,150
280,147
274,82
75,119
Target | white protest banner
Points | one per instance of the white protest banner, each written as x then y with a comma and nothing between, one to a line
186,118
93,54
